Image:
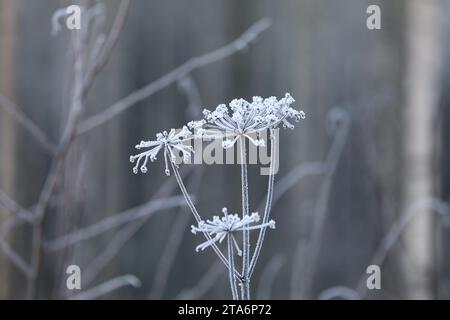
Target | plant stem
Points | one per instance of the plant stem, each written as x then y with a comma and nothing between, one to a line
231,269
197,217
245,283
268,206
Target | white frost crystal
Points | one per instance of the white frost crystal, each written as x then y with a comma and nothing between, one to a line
169,141
219,228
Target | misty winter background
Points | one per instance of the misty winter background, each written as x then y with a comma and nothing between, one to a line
372,153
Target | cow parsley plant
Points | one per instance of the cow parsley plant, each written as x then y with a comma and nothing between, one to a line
238,122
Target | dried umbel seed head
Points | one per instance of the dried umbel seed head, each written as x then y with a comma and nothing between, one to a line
242,119
219,228
169,142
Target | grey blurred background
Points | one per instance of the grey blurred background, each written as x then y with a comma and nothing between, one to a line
363,180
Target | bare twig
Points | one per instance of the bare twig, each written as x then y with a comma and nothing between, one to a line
204,284
173,244
14,208
307,254
81,87
117,220
441,208
50,182
28,124
235,46
109,45
15,258
437,206
268,276
165,263
11,223
20,214
293,177
188,87
108,286
125,234
339,292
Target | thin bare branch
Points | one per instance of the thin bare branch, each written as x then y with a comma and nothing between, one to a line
265,285
14,208
28,124
169,255
120,239
173,244
204,284
442,209
117,220
109,45
341,292
82,84
427,205
120,106
292,178
15,258
108,287
307,253
189,89
76,106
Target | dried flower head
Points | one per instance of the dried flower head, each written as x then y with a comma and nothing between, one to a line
219,228
244,119
169,141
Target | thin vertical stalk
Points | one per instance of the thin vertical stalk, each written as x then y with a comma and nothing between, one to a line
197,217
268,206
167,259
76,106
231,269
245,281
307,253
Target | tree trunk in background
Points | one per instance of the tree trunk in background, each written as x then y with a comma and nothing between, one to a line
421,85
443,274
7,127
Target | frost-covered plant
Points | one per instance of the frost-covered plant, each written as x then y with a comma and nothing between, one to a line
247,118
226,226
239,121
168,142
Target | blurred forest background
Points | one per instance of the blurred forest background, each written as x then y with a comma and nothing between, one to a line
363,180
